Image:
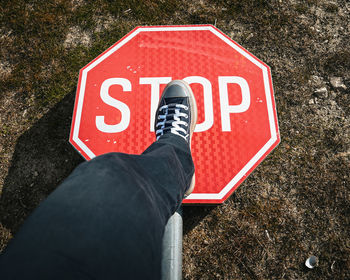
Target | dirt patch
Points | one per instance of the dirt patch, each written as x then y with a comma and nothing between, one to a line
76,37
295,204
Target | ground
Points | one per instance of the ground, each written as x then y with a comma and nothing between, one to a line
295,204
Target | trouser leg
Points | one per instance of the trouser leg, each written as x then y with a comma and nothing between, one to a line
106,220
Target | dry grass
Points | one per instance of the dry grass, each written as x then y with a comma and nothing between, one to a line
296,203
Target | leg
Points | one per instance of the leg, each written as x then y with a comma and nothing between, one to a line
106,220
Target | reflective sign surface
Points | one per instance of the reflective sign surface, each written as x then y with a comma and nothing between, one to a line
118,93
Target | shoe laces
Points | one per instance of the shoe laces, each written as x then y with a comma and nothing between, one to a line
169,118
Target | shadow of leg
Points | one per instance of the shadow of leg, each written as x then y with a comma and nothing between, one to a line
43,157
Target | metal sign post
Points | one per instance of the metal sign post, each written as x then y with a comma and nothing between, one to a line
172,248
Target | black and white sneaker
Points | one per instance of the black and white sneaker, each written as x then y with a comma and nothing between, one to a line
177,114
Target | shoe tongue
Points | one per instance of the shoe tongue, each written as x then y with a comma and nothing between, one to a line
177,100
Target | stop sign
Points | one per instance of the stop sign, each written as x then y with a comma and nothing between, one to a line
118,93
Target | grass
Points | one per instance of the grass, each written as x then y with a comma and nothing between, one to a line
38,30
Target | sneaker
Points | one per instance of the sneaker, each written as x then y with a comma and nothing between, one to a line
177,114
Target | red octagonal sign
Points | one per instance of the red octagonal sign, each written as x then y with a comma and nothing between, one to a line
118,94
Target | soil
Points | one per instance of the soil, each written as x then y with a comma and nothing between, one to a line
294,205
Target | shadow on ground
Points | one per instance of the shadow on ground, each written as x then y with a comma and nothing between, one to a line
193,215
43,157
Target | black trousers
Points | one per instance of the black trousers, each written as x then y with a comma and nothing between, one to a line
106,220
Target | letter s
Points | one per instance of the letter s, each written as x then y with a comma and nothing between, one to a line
122,107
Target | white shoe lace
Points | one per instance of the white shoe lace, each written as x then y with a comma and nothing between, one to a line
174,123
